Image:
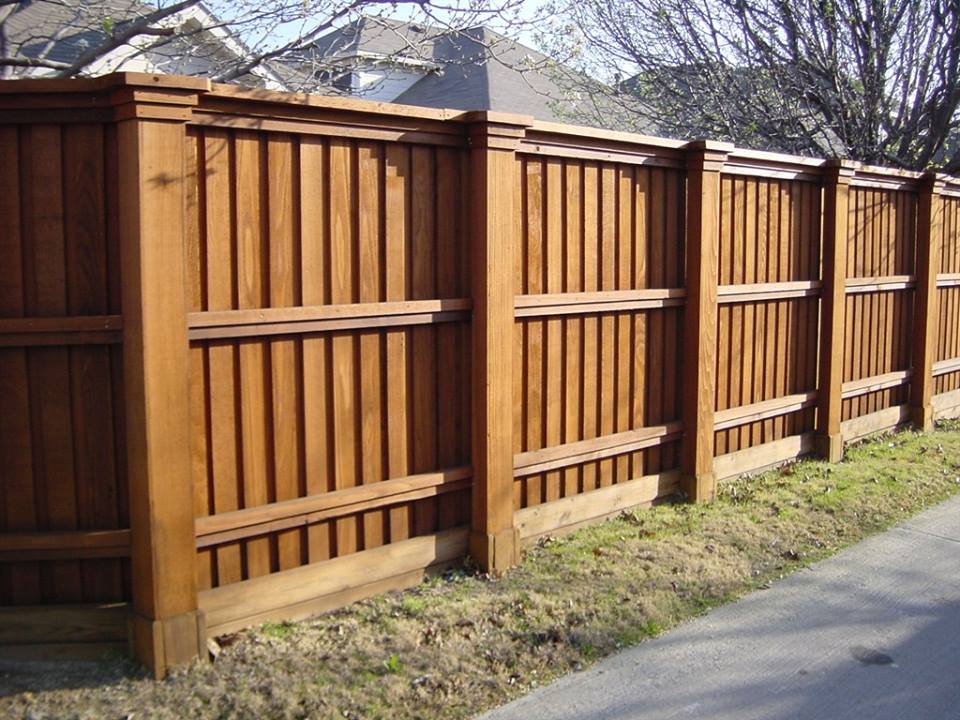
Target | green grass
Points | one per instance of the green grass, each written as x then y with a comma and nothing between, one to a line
458,644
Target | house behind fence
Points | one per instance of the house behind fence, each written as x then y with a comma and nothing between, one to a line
264,354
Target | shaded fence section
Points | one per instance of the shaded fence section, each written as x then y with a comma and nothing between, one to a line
264,354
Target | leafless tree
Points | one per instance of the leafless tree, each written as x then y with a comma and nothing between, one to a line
227,40
875,80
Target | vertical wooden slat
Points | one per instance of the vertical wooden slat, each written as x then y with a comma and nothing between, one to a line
369,182
221,288
925,309
87,294
343,355
554,389
285,358
573,406
315,289
450,406
590,322
608,260
396,239
832,308
252,281
494,541
16,437
423,338
705,161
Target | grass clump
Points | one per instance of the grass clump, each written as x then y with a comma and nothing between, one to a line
457,644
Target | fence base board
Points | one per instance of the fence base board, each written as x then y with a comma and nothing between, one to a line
50,632
764,457
946,405
323,586
571,513
876,422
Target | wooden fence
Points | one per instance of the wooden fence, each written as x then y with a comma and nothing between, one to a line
264,354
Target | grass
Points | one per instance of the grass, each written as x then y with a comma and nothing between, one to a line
464,642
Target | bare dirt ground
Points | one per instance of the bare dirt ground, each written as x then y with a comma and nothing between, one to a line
464,642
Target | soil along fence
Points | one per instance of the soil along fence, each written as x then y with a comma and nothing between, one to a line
264,354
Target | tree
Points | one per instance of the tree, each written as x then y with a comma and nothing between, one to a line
234,40
873,80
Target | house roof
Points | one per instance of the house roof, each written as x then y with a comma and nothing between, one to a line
62,31
471,69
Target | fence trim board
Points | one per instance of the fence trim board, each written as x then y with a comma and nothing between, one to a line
948,280
223,324
880,284
304,126
63,632
250,522
855,388
570,513
72,330
576,453
946,405
763,410
582,303
875,422
328,584
764,457
73,544
767,292
942,367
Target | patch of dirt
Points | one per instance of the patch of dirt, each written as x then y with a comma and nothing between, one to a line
464,642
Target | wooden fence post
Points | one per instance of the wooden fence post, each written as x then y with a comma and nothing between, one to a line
167,629
836,195
926,306
494,138
704,163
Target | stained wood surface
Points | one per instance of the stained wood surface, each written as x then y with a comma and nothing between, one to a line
769,265
597,275
881,258
61,421
331,296
947,335
322,270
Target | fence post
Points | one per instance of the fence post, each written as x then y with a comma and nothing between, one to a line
166,628
926,307
836,196
494,139
704,163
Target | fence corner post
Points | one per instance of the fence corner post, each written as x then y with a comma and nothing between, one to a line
494,139
926,307
166,626
836,198
704,164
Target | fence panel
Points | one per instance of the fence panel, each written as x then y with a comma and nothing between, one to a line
328,343
769,273
598,281
61,382
880,294
947,370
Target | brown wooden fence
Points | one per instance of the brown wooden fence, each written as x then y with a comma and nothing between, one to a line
264,354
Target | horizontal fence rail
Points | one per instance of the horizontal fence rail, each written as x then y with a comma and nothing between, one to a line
264,354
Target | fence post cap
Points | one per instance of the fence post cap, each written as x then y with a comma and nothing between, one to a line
714,146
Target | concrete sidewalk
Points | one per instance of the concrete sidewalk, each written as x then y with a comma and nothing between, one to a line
871,633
